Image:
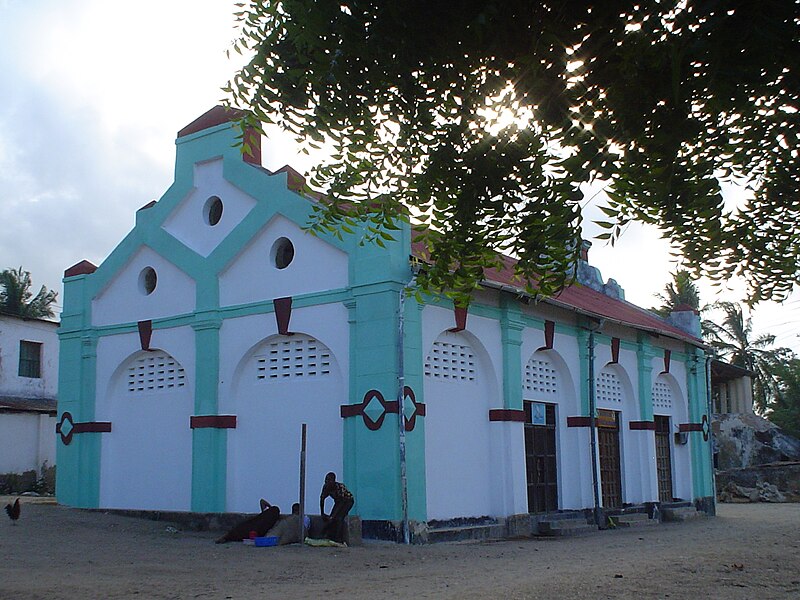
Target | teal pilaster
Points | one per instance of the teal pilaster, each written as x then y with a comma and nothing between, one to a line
415,439
700,449
209,446
373,469
511,327
582,337
78,473
644,362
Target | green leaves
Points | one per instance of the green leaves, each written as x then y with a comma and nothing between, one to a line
17,299
480,120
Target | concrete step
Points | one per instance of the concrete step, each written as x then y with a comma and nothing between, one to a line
565,527
492,531
632,520
680,513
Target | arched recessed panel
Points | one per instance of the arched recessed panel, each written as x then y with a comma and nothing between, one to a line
450,361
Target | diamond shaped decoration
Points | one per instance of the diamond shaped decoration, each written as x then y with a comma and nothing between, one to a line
374,408
409,408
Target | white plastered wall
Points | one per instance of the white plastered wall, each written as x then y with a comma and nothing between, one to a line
316,266
573,459
28,442
678,413
12,330
146,459
188,223
631,445
464,456
264,449
124,300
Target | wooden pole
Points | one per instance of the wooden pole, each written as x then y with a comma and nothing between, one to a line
303,486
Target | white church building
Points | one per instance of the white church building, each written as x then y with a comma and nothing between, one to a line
192,355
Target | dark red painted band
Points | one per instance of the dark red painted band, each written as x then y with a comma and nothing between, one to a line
92,427
351,410
74,428
615,350
212,422
513,415
145,333
283,313
461,318
643,425
686,427
579,421
549,333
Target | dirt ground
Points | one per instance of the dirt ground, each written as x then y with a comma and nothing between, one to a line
747,551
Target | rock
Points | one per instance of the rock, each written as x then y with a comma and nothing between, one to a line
746,440
769,493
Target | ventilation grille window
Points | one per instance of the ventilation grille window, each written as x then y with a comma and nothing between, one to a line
298,357
609,388
540,377
154,373
450,362
662,395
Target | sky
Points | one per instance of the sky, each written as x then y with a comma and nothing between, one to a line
92,94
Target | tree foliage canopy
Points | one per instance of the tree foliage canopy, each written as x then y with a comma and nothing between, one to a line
681,290
785,408
733,339
17,299
482,118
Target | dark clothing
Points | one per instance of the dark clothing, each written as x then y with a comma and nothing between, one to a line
335,529
335,490
261,524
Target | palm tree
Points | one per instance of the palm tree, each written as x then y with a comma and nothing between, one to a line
682,290
17,299
785,408
734,342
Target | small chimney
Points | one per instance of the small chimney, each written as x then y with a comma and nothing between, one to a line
222,114
686,318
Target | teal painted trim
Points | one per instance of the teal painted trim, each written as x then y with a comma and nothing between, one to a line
229,312
583,382
511,327
78,475
415,440
350,428
373,468
209,446
68,488
209,469
702,480
644,363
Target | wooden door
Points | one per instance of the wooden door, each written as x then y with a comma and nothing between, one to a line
540,456
663,459
608,446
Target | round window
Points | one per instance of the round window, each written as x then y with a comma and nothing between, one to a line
282,253
147,280
212,211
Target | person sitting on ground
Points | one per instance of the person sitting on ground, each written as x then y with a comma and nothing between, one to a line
260,524
288,530
335,527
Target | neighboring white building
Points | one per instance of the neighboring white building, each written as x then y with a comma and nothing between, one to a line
28,384
194,353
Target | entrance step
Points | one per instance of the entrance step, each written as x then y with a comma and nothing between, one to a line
563,524
461,533
634,519
680,513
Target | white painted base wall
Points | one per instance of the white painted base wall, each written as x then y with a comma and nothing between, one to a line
28,442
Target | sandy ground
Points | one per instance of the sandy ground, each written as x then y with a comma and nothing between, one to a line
747,551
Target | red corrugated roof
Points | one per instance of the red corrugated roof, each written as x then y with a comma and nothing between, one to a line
584,300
